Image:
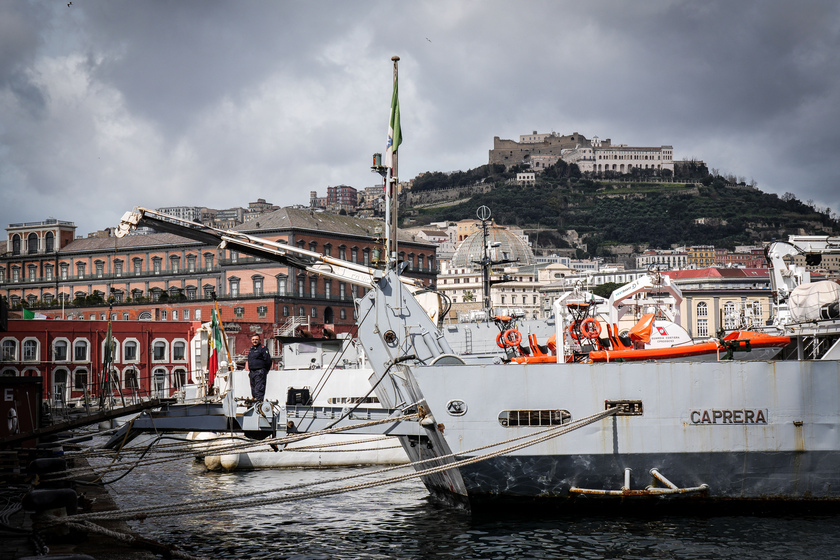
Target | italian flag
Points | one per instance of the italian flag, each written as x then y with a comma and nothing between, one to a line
394,129
215,345
27,314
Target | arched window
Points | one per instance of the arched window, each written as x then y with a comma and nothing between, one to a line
50,242
30,350
145,316
179,378
10,350
131,378
80,350
16,244
32,244
159,353
60,350
702,309
179,351
80,379
159,382
60,376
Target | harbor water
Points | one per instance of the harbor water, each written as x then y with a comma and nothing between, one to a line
399,521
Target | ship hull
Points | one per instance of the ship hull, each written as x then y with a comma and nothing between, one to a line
722,430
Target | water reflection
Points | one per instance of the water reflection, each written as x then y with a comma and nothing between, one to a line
398,521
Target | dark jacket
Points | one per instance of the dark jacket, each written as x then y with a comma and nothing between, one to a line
259,358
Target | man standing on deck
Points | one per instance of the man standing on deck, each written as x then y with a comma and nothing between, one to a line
259,362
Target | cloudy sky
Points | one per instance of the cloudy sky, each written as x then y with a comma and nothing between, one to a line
106,105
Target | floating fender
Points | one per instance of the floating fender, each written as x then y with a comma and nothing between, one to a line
40,500
213,462
229,462
47,465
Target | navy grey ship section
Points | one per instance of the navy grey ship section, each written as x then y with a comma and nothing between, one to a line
747,430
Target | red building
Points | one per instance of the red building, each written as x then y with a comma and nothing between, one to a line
151,359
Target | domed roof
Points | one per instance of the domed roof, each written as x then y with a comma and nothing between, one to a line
510,247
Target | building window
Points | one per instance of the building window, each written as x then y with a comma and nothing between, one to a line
80,379
118,268
100,268
186,314
285,311
327,288
262,310
174,314
10,347
342,313
174,264
354,254
138,266
208,261
164,315
313,287
190,263
30,350
33,243
342,252
234,287
314,312
702,328
313,246
125,315
80,269
702,309
300,287
258,285
327,249
33,272
159,380
342,290
301,312
50,242
130,379
730,317
159,351
366,256
239,312
80,351
179,351
281,285
16,244
60,351
156,265
191,290
179,376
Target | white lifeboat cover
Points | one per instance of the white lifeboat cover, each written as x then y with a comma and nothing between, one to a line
806,300
667,334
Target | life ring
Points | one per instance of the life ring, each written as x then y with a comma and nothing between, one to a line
573,330
499,342
590,328
511,337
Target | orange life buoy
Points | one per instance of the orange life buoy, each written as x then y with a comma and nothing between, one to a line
573,330
512,337
499,342
590,328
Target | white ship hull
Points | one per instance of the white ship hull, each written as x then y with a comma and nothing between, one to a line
745,430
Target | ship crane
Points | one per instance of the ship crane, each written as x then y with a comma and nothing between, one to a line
289,255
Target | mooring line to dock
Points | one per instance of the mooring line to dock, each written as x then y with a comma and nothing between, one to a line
131,540
203,506
226,449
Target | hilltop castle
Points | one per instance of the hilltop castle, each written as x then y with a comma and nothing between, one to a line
543,150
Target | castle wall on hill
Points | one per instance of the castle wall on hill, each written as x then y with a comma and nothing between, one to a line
511,152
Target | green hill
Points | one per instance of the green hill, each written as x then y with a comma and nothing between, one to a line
705,211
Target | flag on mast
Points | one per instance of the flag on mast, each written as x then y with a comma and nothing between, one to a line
215,344
394,130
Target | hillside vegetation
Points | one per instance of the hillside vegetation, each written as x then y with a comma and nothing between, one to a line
646,212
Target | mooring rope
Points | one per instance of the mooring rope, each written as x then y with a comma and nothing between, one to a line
197,507
222,449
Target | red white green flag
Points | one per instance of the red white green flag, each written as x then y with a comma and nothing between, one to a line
215,345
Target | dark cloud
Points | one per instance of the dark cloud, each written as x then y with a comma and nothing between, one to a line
108,105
